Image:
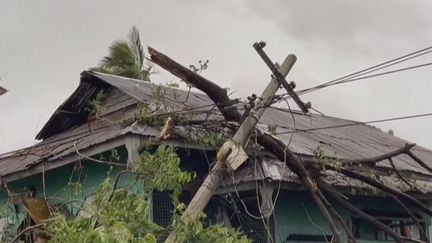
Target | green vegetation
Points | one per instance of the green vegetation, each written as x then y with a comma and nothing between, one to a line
127,59
121,215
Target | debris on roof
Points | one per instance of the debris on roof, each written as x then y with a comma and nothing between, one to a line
68,125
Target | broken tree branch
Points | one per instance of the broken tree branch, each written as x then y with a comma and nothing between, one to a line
411,214
373,160
382,187
338,198
338,218
419,161
412,186
219,96
283,153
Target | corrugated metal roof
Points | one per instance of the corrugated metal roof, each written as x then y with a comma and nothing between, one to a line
66,143
274,170
351,142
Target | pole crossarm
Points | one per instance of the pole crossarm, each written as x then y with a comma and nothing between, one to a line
259,47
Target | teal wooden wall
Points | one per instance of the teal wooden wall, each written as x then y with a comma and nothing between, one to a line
67,183
296,214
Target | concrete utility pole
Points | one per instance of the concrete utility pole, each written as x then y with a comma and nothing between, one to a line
230,150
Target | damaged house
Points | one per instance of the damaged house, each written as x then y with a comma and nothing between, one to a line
263,197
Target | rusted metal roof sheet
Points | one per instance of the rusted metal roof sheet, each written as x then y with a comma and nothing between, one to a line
349,142
68,124
66,143
274,170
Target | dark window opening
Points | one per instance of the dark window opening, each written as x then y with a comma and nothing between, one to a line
400,223
305,238
259,230
162,208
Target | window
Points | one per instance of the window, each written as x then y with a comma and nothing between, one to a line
398,222
162,208
305,238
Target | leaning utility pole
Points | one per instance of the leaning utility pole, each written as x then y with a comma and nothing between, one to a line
231,153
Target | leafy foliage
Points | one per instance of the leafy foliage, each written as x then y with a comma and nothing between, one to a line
120,218
162,171
121,215
146,116
127,59
195,231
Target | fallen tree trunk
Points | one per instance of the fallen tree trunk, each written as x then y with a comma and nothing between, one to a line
217,94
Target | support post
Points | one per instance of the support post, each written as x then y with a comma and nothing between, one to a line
133,144
213,179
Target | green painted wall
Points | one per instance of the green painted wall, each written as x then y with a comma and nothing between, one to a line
296,214
70,182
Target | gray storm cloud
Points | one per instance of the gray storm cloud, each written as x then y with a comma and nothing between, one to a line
350,24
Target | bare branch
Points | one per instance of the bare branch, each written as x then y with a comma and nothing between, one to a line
25,230
382,187
337,197
419,161
407,210
283,153
373,160
412,186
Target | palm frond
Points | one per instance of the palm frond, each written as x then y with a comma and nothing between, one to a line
126,58
135,44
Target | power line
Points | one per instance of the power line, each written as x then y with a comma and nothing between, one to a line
374,68
373,75
356,123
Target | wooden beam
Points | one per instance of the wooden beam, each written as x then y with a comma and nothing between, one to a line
133,144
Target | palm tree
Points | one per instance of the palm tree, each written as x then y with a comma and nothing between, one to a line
126,58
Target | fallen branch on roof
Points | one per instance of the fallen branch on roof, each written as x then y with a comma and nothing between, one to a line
283,153
221,99
412,186
217,94
411,214
372,182
278,148
373,160
338,198
419,161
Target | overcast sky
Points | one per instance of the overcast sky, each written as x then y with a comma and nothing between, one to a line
44,46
